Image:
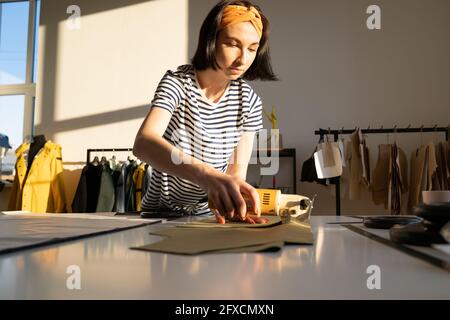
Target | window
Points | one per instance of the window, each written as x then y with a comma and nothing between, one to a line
12,115
36,37
13,42
18,66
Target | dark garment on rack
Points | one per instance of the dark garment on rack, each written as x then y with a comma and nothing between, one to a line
442,169
130,187
365,158
116,174
355,162
35,146
120,189
438,182
447,155
309,173
88,189
445,167
106,197
390,177
394,182
418,172
125,189
432,180
446,164
79,203
380,177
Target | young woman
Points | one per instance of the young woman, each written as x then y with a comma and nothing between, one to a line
199,133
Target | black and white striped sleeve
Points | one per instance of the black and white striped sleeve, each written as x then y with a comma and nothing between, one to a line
254,121
169,93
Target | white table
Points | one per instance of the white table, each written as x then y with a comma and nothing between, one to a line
333,268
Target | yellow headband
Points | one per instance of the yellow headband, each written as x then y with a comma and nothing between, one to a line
234,14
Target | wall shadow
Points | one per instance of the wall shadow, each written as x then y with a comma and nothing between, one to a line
48,125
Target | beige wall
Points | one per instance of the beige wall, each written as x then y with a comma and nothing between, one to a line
95,83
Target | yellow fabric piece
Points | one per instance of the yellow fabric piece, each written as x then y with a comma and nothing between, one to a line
233,14
42,190
138,179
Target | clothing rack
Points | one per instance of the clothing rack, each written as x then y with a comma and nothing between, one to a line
337,132
88,157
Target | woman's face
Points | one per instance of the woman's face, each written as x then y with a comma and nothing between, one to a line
236,47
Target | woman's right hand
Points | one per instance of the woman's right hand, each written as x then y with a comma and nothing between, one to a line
226,191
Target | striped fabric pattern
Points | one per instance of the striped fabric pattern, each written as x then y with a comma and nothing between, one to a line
202,129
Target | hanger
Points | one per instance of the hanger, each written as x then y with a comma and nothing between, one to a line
365,134
321,135
341,131
95,161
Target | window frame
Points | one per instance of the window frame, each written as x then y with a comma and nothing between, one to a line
27,89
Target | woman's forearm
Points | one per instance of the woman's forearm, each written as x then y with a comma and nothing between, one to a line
163,156
239,170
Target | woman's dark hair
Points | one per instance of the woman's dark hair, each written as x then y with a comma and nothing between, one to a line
205,56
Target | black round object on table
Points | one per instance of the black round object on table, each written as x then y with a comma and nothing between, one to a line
419,234
386,222
437,213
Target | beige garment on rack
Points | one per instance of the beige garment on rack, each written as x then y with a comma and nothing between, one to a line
398,178
328,160
422,170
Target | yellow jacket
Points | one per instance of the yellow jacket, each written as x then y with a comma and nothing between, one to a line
138,179
43,189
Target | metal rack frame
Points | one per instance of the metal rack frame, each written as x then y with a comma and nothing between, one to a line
89,151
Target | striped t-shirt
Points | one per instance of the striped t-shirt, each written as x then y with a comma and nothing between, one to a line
204,130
